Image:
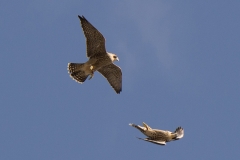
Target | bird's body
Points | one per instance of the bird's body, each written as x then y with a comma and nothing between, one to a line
157,136
99,59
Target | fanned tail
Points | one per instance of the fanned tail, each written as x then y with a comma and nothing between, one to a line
179,133
76,72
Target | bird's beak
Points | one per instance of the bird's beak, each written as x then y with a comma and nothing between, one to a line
117,59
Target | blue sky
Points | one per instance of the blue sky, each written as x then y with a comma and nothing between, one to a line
180,64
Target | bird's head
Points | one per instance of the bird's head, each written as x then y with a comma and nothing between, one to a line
113,57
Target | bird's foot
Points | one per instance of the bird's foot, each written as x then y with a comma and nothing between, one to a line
91,68
91,76
92,71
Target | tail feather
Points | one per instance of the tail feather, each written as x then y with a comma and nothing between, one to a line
180,132
76,72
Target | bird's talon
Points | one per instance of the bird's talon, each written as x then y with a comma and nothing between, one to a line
91,67
91,76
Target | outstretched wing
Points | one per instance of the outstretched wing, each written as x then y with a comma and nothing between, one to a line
154,141
94,39
114,76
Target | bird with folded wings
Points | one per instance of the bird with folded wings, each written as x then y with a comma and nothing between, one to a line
157,136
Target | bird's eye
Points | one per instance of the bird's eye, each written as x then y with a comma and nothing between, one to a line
114,56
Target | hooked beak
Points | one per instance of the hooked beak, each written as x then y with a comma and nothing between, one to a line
117,59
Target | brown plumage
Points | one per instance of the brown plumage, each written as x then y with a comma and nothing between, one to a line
157,136
99,59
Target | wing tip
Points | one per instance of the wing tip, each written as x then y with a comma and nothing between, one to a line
82,18
118,91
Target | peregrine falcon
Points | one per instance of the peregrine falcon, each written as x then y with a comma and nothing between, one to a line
159,137
99,59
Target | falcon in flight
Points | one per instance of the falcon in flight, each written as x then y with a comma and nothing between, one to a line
159,137
99,59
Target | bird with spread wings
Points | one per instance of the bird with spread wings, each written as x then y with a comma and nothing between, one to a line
157,136
99,59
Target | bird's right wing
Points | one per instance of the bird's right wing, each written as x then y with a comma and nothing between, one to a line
153,141
114,76
147,127
142,129
94,39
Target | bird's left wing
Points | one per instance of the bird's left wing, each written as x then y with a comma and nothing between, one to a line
154,141
113,74
94,39
147,127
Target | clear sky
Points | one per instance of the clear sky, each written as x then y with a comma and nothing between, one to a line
181,67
